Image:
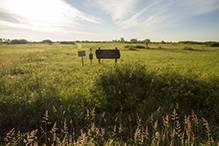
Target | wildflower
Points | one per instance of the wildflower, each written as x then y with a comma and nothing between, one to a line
4,101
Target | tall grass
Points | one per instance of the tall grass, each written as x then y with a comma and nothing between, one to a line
47,97
171,131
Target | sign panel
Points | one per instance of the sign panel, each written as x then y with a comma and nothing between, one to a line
107,54
81,53
90,56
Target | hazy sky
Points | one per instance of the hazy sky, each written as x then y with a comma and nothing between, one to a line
168,20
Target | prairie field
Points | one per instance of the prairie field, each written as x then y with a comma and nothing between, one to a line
167,94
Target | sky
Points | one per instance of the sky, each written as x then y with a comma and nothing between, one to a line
106,20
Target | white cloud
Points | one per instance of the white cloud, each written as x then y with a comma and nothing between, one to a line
44,15
142,18
197,7
118,9
158,14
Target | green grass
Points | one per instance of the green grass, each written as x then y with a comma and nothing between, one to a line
36,78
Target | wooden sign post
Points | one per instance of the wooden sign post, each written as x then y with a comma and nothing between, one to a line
90,56
108,54
81,54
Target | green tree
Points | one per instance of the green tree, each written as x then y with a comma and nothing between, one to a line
122,40
47,41
19,41
163,42
147,42
134,40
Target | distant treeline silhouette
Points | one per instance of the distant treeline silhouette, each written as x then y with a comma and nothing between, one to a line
209,43
19,41
132,41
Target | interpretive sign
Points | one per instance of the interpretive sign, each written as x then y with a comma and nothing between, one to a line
108,54
81,54
90,56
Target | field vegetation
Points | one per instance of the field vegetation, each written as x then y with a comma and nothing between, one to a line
156,94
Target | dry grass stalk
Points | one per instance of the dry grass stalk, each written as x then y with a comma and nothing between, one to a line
114,131
137,133
138,120
207,126
95,135
194,118
155,125
166,121
130,119
65,128
9,135
174,115
46,118
157,136
120,128
53,132
210,138
87,116
178,128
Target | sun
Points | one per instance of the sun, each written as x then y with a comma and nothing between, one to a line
39,13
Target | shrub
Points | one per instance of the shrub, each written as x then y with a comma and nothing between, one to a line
136,89
214,44
126,46
160,47
132,48
140,46
47,41
188,48
191,42
67,42
21,41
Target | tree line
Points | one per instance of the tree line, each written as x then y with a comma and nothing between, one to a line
122,40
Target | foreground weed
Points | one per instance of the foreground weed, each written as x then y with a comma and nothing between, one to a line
99,136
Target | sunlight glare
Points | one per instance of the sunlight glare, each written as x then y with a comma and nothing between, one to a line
42,13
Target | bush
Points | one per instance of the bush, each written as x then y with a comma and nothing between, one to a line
160,47
140,47
214,44
134,89
190,42
47,41
188,48
132,48
21,41
67,42
126,46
